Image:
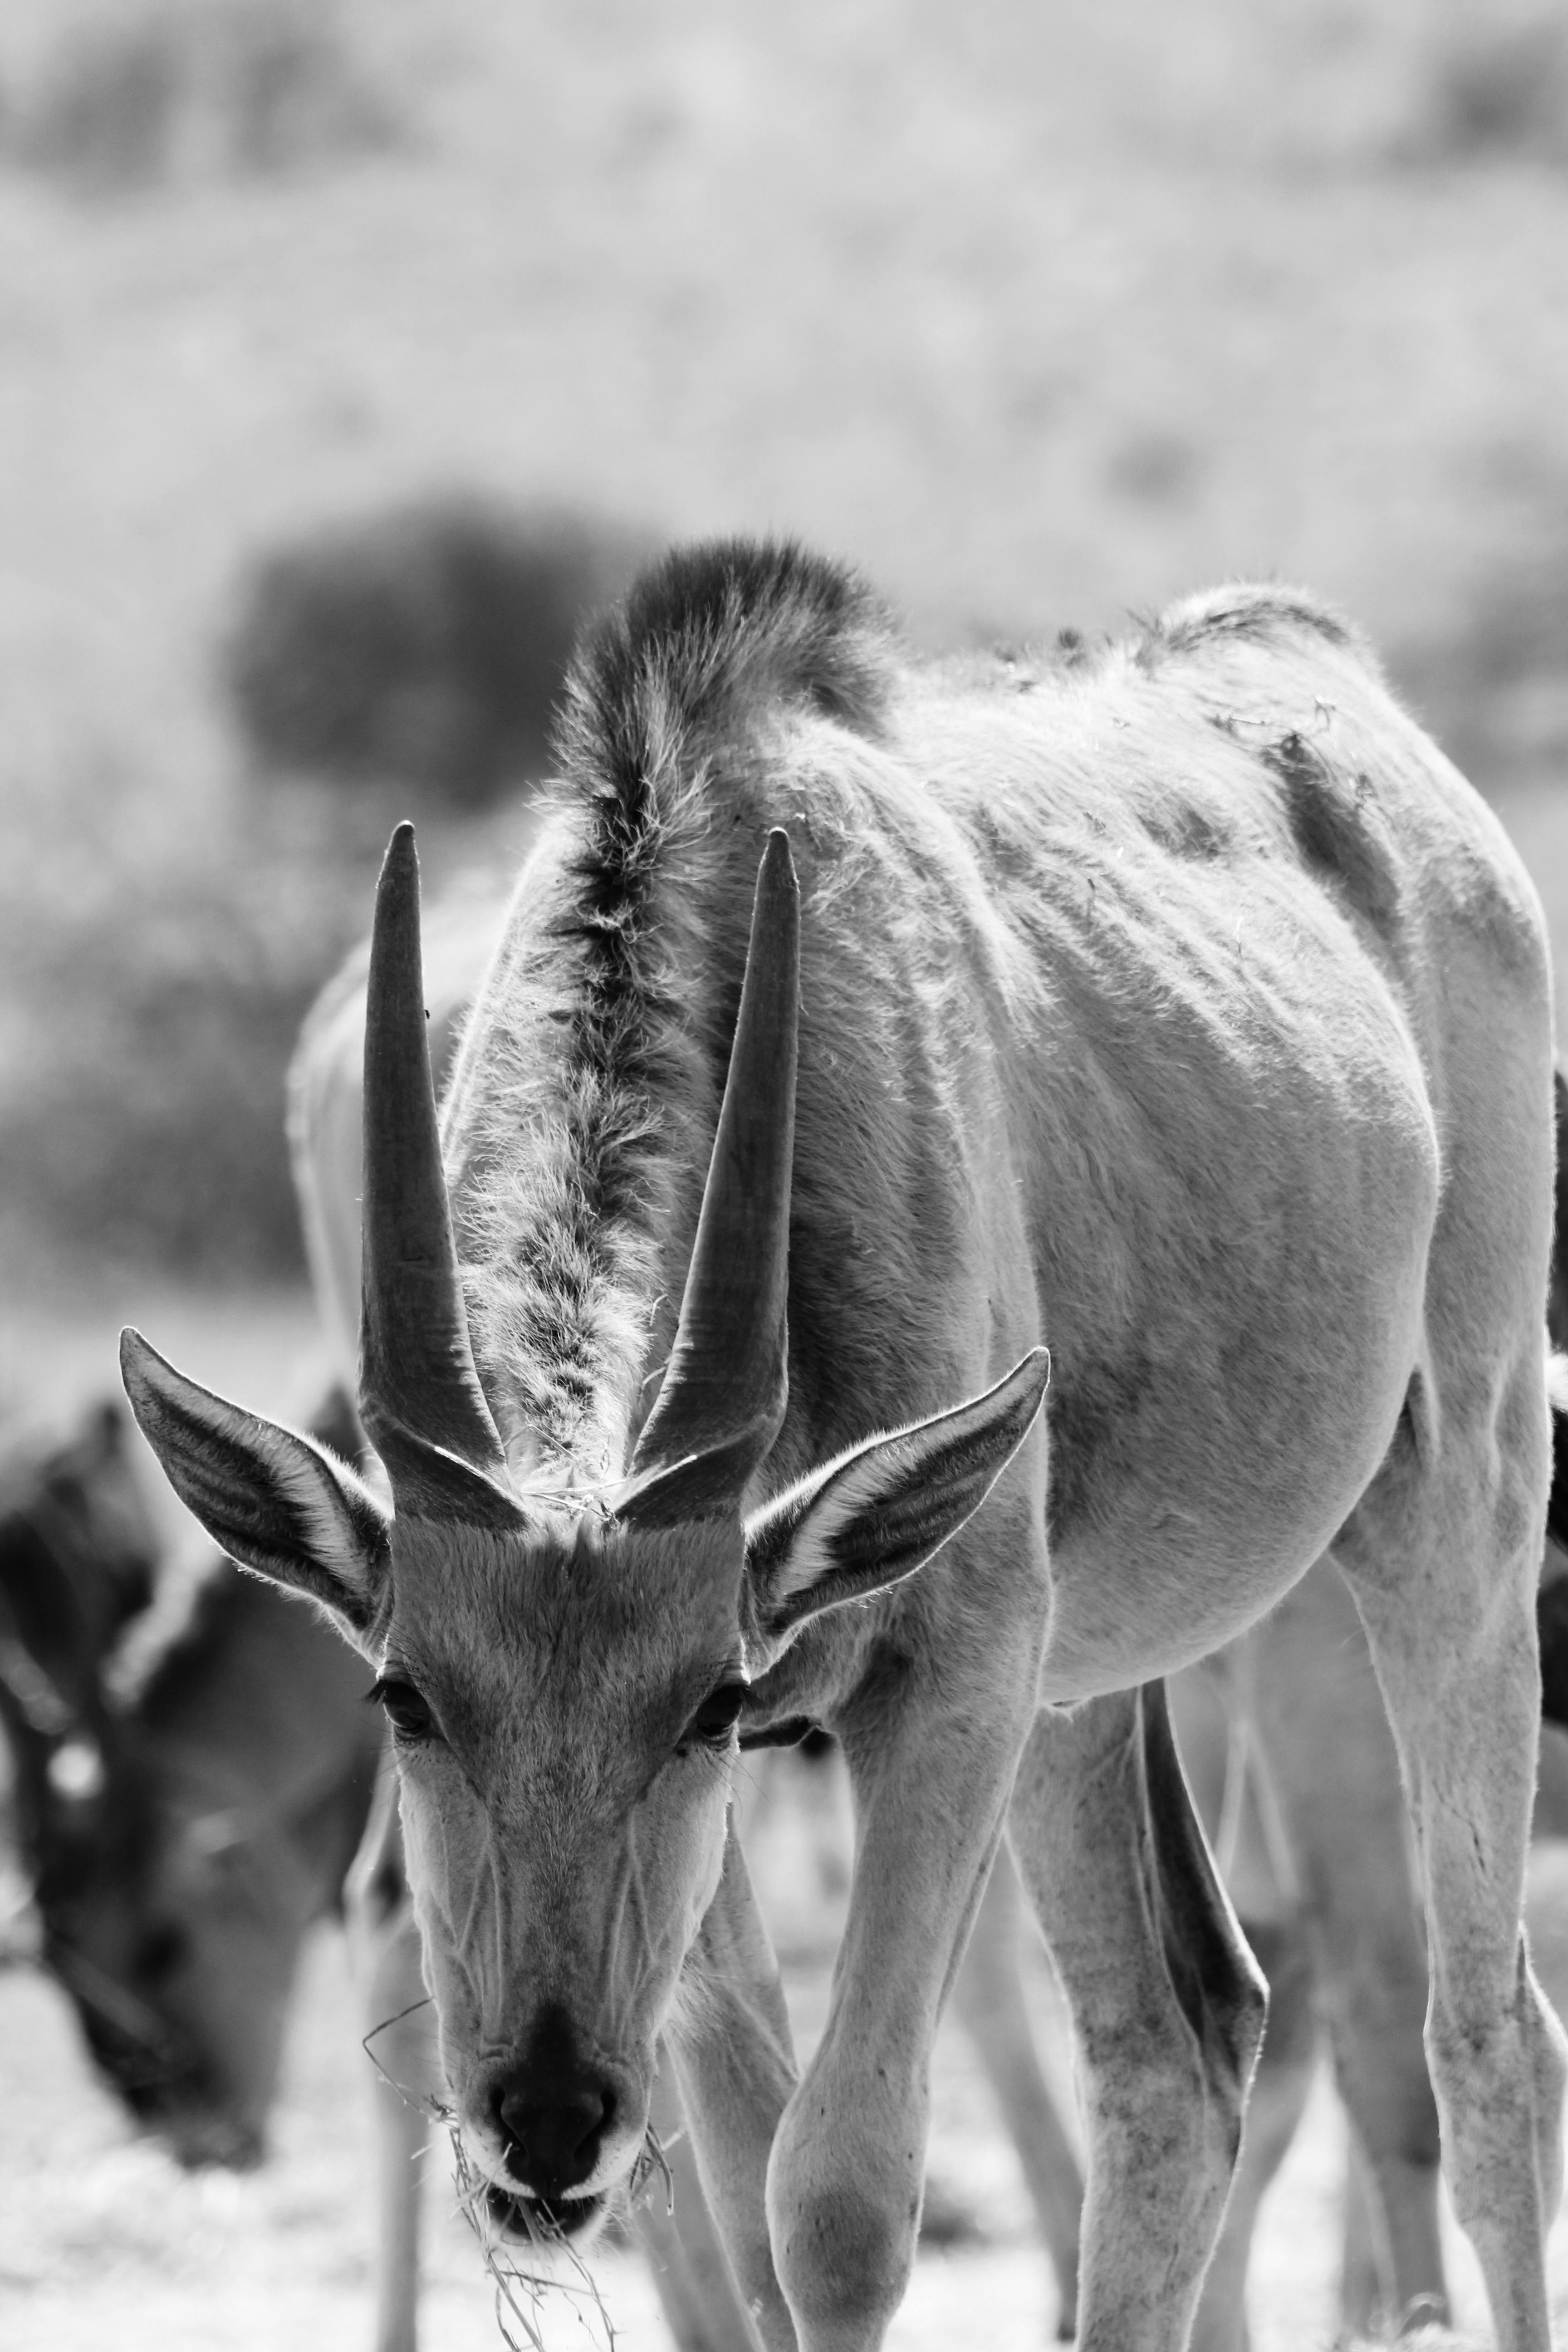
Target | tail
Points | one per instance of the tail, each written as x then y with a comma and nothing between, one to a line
1552,1598
1552,1625
1557,1500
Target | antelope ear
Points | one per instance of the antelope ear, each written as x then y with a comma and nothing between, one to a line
274,1500
877,1513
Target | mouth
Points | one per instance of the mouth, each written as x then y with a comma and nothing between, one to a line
201,2135
203,2142
529,2221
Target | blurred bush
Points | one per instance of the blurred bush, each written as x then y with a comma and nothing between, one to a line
1494,685
141,1108
423,647
128,100
1495,86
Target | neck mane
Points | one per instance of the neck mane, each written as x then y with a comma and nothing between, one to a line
585,1100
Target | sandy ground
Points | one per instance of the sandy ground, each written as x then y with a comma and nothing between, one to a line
103,2241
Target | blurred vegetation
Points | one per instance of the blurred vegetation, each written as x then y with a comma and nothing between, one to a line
423,647
1496,86
149,1129
128,101
1039,314
1495,689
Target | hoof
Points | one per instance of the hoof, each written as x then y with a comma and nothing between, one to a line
946,2220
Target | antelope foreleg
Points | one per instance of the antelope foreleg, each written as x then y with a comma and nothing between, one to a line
400,2039
679,2241
847,2170
401,2133
735,2064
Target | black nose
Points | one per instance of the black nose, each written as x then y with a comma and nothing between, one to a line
552,2125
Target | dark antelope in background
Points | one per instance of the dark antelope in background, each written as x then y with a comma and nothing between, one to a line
179,1840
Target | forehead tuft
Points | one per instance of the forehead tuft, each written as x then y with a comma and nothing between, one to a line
565,1590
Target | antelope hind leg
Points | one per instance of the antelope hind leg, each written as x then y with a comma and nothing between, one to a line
1166,1999
1331,1769
1286,2064
988,2000
1207,1708
1443,1554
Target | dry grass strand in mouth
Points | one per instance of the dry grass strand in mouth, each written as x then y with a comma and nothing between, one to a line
510,2278
652,2159
434,2107
507,2275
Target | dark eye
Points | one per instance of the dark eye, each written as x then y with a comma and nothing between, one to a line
406,1711
715,1719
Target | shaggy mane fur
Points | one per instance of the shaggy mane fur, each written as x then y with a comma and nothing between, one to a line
708,626
664,706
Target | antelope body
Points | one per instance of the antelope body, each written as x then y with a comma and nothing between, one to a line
686,2263
1181,1010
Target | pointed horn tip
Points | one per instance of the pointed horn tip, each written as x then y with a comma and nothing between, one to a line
775,906
395,915
401,863
778,860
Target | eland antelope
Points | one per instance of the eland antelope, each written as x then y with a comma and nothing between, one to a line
688,2266
1176,1008
1286,1746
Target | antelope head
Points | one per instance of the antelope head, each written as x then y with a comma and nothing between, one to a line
564,1676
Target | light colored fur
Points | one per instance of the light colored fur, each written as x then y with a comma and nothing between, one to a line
578,1366
1184,1011
1325,1866
325,1096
